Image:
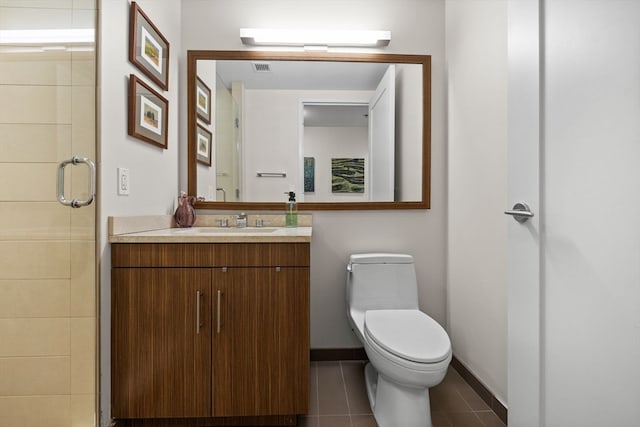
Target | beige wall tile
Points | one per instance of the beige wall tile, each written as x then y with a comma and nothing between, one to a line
83,140
52,4
36,104
35,337
34,143
83,17
46,68
83,355
30,182
38,15
83,68
34,298
83,223
83,410
83,279
35,411
35,260
34,220
84,4
34,376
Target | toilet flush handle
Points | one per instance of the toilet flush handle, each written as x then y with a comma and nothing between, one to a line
349,269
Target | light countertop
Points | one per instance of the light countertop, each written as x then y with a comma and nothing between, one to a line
217,235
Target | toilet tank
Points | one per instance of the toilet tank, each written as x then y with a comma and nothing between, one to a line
381,281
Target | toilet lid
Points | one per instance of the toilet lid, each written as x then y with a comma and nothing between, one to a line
409,334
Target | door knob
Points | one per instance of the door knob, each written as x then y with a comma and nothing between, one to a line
520,212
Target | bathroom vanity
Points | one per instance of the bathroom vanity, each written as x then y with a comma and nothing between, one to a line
210,328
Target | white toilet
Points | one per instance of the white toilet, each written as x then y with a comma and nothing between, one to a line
408,351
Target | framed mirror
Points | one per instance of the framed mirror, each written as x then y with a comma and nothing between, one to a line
344,131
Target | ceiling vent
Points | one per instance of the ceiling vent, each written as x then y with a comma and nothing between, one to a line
261,67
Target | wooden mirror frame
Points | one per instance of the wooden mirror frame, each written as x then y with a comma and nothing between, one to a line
425,60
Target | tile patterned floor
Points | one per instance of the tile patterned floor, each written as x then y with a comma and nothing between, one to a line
339,399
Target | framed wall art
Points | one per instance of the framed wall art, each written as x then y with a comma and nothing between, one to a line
203,101
347,175
204,142
148,49
148,112
309,174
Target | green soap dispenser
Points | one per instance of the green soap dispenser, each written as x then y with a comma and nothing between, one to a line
291,212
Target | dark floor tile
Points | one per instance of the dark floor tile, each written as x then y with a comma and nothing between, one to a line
332,399
353,372
334,421
313,389
308,422
490,419
446,398
453,376
363,421
464,419
472,398
440,419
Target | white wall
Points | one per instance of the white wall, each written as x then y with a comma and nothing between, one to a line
477,180
153,171
591,206
417,27
207,174
324,143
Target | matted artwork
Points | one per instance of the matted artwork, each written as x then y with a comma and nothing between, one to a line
347,175
148,49
203,101
148,112
309,174
203,145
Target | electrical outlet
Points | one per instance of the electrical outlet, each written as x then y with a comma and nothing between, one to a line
123,182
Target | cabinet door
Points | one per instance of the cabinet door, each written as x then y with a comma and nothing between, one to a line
261,349
160,355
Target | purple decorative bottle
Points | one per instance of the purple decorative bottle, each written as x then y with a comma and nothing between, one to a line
185,215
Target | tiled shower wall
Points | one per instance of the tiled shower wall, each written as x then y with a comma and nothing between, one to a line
47,251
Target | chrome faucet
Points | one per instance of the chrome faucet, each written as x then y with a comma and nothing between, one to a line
241,220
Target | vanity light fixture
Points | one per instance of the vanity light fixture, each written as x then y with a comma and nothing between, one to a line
306,38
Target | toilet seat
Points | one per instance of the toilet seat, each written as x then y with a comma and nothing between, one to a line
410,335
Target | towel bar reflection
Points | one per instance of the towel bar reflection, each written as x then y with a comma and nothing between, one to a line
271,174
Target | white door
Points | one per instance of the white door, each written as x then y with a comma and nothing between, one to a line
523,263
382,109
587,293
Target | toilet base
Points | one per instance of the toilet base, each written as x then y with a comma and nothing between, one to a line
392,403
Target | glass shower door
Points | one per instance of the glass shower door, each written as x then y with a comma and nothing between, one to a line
48,356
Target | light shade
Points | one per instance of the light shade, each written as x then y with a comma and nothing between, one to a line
342,38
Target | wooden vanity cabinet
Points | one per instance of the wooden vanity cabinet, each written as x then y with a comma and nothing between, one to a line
160,360
244,353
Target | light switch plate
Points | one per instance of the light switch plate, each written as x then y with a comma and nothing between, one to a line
123,182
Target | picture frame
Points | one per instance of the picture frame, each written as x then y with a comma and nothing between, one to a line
203,101
203,145
148,113
309,174
347,175
148,48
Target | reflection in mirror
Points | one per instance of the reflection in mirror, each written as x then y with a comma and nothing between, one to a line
342,131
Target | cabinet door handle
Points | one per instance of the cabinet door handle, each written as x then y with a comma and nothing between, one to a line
218,311
198,322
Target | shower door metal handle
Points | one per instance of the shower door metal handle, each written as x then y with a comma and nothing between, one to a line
75,203
520,212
